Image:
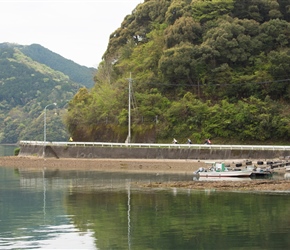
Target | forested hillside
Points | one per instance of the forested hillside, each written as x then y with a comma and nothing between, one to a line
201,68
76,72
26,88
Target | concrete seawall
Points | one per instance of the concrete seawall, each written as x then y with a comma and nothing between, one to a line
209,153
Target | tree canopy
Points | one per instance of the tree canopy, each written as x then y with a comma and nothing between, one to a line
26,87
220,69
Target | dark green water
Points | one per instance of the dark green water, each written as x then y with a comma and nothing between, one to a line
7,150
94,210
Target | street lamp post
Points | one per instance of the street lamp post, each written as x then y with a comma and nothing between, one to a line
44,126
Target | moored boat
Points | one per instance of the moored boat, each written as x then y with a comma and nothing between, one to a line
219,170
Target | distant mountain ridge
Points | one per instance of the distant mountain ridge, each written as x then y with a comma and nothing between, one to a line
31,79
77,73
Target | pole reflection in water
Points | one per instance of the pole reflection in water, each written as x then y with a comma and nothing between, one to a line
44,195
129,210
94,210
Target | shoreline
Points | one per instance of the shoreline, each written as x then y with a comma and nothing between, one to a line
157,166
104,164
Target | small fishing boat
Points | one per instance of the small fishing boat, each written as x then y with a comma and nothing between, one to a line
219,170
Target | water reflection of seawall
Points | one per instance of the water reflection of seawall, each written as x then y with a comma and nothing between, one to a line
74,202
92,179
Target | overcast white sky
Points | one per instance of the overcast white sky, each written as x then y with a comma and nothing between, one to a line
78,30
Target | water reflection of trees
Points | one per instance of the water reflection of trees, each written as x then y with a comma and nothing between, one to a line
161,220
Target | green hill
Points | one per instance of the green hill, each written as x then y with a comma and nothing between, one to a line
200,69
76,73
27,86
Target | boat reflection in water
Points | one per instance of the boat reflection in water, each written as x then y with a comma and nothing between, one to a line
99,210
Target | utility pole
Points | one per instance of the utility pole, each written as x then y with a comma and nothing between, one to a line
128,140
44,127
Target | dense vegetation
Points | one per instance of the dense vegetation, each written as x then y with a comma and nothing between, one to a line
26,88
80,74
200,68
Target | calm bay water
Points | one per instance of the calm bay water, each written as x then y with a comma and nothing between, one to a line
94,210
7,150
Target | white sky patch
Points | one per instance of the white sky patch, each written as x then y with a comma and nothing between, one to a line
76,30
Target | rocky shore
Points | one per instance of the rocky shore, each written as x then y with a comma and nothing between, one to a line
266,185
145,166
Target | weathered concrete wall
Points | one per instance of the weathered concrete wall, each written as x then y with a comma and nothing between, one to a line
149,153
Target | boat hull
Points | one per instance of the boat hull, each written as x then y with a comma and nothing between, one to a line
223,179
226,174
257,174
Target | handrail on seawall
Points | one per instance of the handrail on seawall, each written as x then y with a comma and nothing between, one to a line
155,145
